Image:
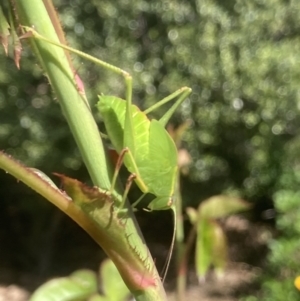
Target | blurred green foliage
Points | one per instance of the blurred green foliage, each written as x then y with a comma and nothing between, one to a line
83,285
283,260
283,268
211,248
240,57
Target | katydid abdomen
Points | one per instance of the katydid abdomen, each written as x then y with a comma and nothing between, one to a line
152,154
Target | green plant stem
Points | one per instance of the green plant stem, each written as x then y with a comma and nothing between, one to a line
72,102
180,247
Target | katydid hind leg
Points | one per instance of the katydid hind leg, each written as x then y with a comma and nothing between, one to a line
170,252
129,130
129,181
138,200
117,169
127,188
127,77
115,176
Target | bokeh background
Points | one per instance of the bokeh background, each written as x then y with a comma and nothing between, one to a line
241,58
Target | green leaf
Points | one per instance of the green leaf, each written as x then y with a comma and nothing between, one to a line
192,214
78,286
220,249
211,244
4,31
211,248
113,285
82,194
221,206
204,247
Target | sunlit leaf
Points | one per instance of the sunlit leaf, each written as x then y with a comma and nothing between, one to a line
192,214
211,248
221,206
112,284
220,249
204,247
211,244
78,286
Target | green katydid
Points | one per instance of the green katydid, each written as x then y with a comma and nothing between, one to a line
151,154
